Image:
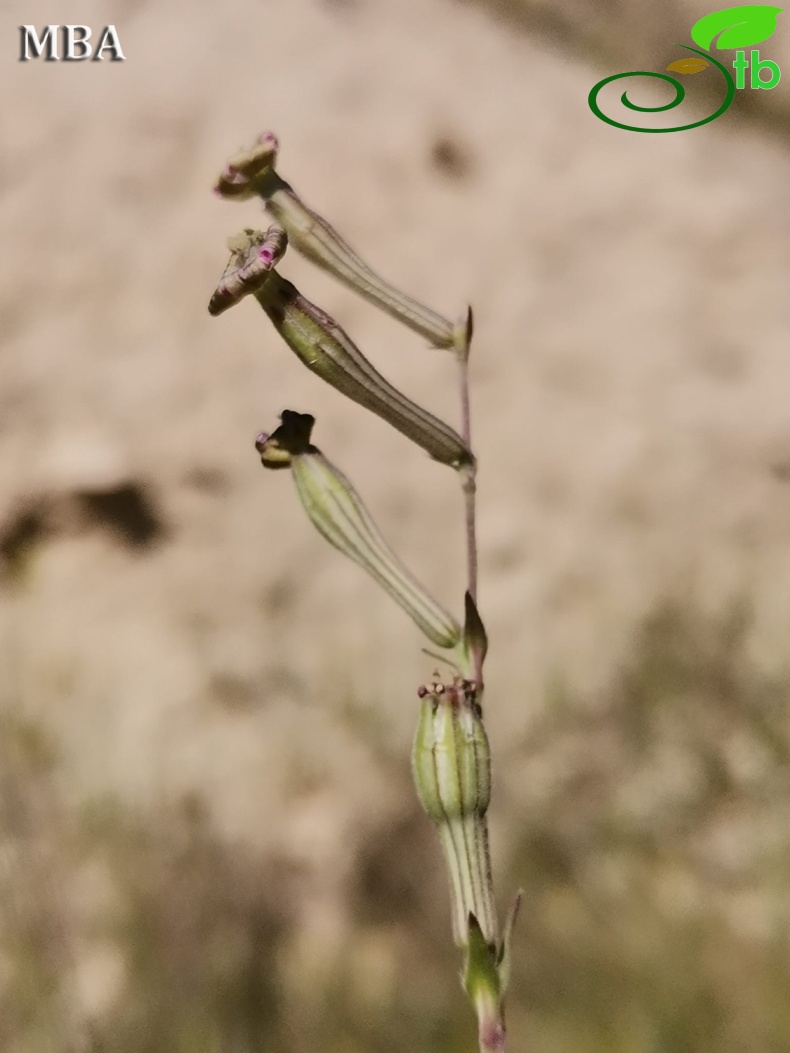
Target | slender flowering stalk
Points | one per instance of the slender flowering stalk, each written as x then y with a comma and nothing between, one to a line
462,343
252,173
451,756
337,512
327,350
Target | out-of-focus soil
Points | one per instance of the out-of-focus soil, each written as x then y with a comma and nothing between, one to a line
166,611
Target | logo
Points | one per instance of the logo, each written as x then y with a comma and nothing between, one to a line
734,28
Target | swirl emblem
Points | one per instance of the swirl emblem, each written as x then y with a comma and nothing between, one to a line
680,93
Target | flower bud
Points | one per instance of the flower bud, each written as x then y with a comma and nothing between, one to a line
451,763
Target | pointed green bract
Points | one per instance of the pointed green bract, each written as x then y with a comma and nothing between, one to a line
505,953
482,984
462,333
475,640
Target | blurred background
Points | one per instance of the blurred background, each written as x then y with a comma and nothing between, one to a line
209,839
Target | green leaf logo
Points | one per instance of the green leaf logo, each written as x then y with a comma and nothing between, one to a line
688,65
736,27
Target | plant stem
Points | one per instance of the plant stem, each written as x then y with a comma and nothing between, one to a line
462,344
468,481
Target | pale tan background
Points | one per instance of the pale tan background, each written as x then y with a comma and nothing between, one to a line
210,840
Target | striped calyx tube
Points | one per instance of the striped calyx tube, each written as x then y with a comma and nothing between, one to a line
336,510
451,763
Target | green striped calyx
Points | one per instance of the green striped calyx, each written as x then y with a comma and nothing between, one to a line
451,763
252,173
327,350
337,512
324,347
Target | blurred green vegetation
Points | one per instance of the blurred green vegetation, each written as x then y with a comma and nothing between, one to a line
647,827
658,870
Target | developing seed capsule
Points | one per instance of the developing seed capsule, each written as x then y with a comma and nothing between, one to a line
252,173
337,512
451,763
